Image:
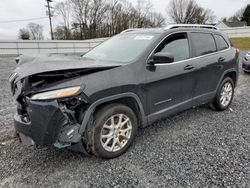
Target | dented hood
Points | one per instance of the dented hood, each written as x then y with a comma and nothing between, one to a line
30,65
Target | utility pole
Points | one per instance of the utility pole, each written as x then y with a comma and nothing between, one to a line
50,15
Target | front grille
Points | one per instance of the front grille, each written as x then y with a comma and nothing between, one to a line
16,88
12,77
22,109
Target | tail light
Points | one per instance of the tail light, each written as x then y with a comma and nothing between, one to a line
238,51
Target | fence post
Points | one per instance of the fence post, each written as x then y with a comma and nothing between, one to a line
17,49
38,46
74,47
56,47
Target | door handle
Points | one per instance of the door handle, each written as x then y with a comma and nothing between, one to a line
188,67
221,59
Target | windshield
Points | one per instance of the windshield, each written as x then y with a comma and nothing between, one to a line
122,48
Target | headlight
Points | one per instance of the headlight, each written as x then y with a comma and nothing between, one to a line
55,94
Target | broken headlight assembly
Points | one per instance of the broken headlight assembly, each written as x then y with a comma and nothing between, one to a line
57,94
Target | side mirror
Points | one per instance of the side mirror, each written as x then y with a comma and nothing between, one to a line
162,58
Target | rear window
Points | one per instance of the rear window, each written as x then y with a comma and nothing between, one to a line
203,43
221,42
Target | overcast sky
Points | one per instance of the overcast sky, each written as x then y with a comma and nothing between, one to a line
25,9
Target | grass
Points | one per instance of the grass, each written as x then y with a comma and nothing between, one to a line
241,43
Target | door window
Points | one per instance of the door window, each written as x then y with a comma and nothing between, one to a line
221,43
177,45
203,43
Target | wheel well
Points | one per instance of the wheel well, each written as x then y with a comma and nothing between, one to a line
231,75
128,101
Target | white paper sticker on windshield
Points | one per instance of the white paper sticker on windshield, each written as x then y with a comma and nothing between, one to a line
144,37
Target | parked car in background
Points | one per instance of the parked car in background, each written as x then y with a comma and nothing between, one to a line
246,63
95,104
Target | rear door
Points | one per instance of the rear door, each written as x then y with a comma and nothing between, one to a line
205,59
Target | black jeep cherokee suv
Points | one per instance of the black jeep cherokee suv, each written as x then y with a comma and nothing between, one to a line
96,102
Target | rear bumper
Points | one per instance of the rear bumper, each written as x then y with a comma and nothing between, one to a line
46,121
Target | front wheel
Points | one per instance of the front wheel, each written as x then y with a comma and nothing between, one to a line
113,130
224,94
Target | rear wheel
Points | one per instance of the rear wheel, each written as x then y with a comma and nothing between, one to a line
224,94
113,130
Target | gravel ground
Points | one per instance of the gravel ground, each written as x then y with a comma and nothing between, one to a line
196,148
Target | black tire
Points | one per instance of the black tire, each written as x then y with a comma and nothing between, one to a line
100,118
217,104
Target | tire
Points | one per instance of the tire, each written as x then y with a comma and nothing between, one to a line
221,103
107,139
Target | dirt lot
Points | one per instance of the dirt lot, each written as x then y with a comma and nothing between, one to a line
196,148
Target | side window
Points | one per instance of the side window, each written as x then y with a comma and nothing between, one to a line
221,42
203,43
177,45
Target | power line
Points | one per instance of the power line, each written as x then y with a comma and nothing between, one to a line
24,20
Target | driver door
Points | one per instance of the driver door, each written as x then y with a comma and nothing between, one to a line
170,85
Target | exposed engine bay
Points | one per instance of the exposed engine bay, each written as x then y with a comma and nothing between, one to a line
56,120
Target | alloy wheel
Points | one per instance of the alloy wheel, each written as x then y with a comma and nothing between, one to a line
226,94
116,132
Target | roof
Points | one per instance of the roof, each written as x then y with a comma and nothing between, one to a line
143,30
169,27
174,26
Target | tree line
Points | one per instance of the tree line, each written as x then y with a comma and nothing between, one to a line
86,19
242,14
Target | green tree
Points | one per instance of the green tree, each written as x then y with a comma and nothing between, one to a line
246,15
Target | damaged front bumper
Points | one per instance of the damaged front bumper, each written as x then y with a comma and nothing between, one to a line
45,124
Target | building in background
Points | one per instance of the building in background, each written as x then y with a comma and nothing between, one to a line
227,25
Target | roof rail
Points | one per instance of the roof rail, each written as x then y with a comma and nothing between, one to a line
173,26
131,29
